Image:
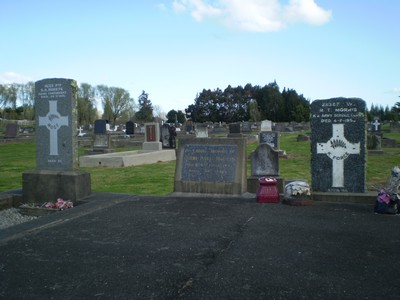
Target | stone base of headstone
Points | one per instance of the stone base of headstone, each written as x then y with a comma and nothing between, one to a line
252,183
363,198
43,186
152,146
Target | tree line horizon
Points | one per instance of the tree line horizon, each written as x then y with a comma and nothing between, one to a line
233,104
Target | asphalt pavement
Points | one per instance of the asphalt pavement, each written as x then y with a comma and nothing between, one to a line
119,246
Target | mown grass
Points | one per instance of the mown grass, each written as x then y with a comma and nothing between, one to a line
158,178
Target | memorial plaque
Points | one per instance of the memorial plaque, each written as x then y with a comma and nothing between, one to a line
269,137
56,145
151,133
211,166
213,163
338,145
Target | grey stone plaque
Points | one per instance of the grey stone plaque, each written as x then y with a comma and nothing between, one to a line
338,145
265,161
56,125
269,137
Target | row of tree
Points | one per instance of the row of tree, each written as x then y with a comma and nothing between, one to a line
252,103
233,104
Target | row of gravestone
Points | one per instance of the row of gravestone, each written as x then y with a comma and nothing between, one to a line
214,165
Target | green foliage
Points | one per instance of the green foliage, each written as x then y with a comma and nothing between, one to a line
174,115
236,104
116,101
145,112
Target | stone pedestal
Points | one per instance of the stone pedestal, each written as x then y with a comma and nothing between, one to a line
42,186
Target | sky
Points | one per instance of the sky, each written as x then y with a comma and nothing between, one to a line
173,49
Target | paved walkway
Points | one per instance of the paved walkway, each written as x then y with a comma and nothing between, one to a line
119,246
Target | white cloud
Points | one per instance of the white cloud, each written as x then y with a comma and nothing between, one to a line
12,77
306,11
255,15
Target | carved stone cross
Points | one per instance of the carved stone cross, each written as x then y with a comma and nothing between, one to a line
338,148
53,121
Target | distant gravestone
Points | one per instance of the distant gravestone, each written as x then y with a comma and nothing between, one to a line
129,127
211,166
165,130
56,172
201,131
11,131
338,145
269,137
100,127
266,125
376,126
152,137
234,128
246,127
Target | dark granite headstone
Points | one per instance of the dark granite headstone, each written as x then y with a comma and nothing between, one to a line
165,129
11,131
100,127
338,145
269,137
130,127
234,128
264,161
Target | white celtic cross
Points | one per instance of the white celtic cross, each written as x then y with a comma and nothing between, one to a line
376,125
53,121
338,149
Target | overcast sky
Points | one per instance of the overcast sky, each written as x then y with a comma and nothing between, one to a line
174,49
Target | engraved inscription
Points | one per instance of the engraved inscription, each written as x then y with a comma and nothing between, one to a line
210,163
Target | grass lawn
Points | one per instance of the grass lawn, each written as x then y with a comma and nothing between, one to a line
157,179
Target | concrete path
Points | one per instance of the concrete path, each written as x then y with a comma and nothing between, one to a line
118,246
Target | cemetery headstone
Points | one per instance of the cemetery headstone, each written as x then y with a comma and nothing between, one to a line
56,172
152,137
264,161
130,128
165,130
100,127
246,127
338,145
211,166
376,126
201,131
235,130
172,137
11,131
266,125
269,137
